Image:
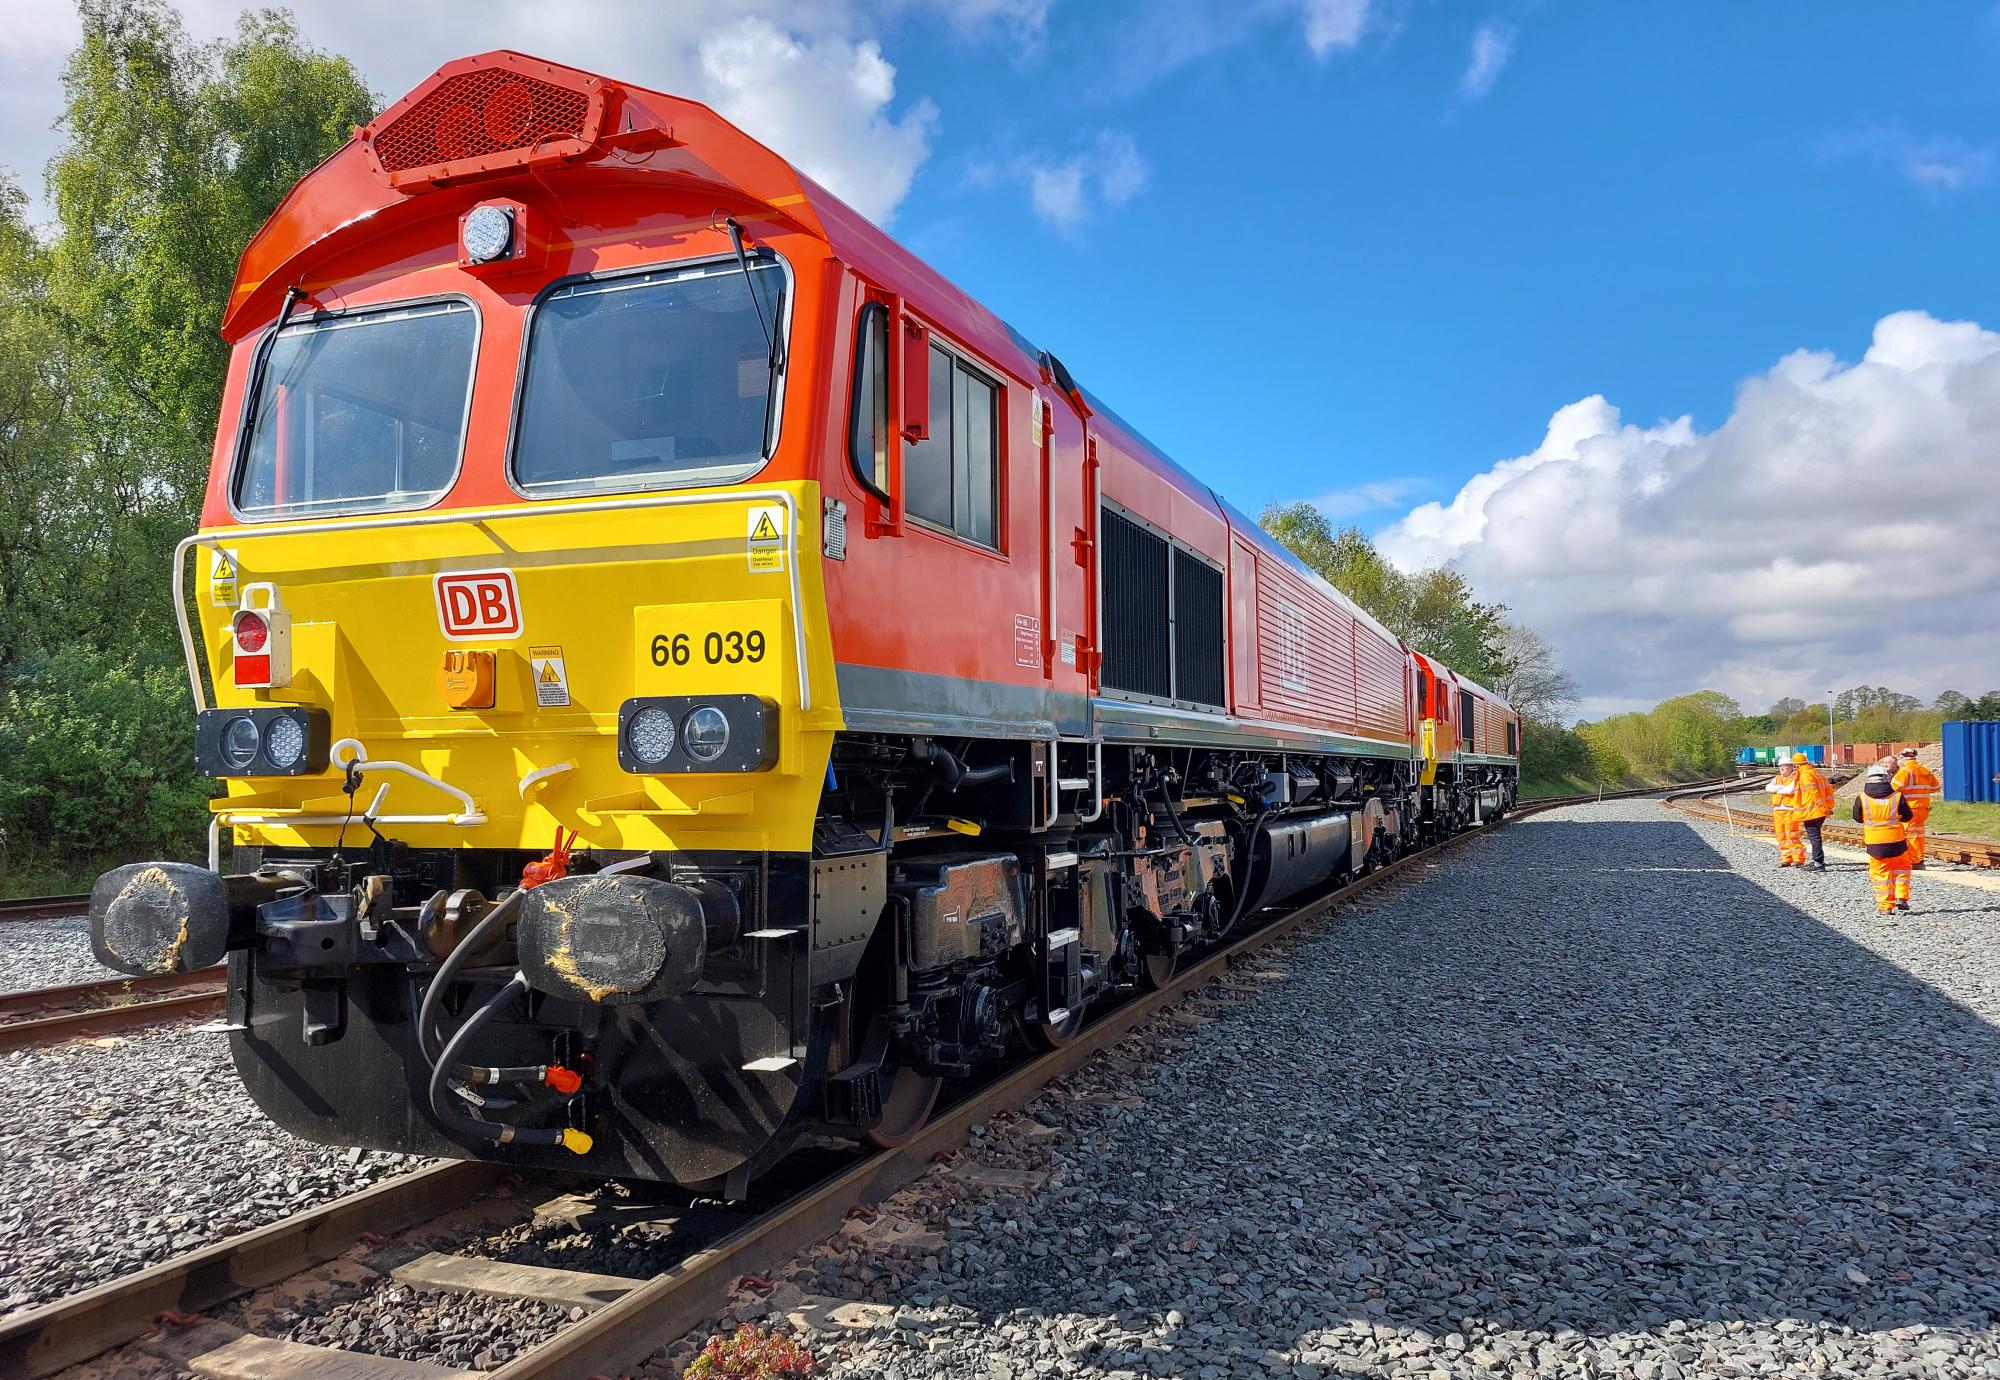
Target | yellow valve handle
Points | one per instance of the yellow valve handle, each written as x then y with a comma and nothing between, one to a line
575,1141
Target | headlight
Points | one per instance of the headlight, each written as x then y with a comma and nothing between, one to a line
715,734
285,743
273,740
488,233
239,743
705,734
650,732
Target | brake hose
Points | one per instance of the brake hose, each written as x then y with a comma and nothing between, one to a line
427,1040
568,1137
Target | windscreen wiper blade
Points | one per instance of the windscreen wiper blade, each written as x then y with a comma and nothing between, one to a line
750,282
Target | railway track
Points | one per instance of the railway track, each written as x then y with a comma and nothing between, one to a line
640,1316
1757,819
49,1015
43,907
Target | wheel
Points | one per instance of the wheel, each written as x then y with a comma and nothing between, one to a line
907,1102
1040,1033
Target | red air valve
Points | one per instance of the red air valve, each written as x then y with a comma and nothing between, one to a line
260,635
555,865
561,1079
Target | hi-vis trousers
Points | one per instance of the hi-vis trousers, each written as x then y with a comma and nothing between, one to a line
1891,878
1920,813
1791,832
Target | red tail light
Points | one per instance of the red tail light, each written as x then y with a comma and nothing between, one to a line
252,631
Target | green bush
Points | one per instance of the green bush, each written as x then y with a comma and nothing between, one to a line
97,760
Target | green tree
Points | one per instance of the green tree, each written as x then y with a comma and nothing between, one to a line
1529,678
111,374
1951,704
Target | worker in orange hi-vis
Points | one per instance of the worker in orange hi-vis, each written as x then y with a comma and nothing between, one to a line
1916,783
1785,818
1815,804
1884,817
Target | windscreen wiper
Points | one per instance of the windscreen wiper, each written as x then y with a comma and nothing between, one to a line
750,281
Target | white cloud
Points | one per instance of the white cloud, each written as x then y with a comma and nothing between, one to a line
1492,48
828,100
1837,528
1067,192
1334,25
1369,497
823,104
1938,164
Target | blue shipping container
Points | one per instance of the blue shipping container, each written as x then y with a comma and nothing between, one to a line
1972,760
1747,756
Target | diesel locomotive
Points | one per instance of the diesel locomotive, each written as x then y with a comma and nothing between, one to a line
687,679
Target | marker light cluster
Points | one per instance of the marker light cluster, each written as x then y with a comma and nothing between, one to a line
486,234
277,740
660,734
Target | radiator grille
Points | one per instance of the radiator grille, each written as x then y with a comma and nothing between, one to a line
1197,630
479,113
1137,654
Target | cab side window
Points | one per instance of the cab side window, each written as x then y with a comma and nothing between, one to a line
951,476
868,437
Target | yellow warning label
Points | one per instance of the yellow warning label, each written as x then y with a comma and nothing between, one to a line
765,539
222,578
551,677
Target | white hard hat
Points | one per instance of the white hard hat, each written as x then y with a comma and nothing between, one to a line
1878,772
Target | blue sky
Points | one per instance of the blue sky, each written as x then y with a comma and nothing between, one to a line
1346,272
1574,295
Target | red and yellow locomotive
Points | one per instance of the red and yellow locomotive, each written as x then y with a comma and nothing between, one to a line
686,677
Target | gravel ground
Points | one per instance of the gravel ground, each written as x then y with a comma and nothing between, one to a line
452,1329
47,953
1605,1094
120,1153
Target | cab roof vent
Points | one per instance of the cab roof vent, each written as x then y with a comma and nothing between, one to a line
486,119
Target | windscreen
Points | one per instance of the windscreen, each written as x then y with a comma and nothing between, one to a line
359,413
651,379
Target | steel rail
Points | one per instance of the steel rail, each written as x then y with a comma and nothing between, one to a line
43,907
47,1015
42,1340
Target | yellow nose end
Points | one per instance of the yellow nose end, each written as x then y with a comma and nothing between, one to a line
576,1142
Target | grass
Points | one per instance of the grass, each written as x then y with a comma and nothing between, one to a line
1971,821
49,877
1541,788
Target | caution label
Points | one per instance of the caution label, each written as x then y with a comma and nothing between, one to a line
551,677
222,578
765,537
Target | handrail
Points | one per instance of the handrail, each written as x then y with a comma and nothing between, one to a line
481,516
357,760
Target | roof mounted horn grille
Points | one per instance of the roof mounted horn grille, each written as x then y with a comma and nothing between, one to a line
486,115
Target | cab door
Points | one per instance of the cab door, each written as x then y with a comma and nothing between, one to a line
1068,553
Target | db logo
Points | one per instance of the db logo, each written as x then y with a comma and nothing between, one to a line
478,604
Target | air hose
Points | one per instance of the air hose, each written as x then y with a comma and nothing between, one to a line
575,1141
427,1014
548,1075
